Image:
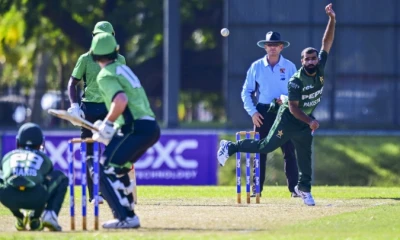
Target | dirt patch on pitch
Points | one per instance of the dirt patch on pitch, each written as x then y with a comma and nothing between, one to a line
217,214
225,215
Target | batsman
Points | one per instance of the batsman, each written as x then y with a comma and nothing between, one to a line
294,120
92,104
128,112
29,182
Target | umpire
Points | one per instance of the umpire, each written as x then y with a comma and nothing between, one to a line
268,78
92,105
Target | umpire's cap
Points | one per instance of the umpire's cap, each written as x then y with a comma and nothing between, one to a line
30,135
103,44
273,37
103,27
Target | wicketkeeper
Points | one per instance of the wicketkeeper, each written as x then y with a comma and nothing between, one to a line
29,182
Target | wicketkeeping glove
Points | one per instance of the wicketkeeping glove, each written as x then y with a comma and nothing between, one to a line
76,111
105,133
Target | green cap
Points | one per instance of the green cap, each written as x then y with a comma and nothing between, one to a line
103,44
30,134
102,27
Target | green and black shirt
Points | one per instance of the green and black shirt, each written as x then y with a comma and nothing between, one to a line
307,89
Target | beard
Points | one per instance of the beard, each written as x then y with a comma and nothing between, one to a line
311,69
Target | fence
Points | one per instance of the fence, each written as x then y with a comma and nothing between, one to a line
362,74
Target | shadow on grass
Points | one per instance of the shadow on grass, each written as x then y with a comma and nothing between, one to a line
380,198
203,230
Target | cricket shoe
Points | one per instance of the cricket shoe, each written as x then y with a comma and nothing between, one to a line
294,195
254,195
222,153
129,222
20,224
35,224
101,200
306,196
49,220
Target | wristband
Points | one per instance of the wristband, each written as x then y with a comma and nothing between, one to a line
109,123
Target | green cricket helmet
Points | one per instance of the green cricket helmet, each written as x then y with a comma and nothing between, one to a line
30,135
104,45
102,27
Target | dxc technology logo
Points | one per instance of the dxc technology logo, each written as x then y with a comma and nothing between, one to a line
167,161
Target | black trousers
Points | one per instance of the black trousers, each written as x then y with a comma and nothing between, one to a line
93,112
288,150
133,144
119,155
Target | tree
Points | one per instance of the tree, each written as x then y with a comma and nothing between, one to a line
62,30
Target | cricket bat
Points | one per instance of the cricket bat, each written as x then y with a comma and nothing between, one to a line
73,119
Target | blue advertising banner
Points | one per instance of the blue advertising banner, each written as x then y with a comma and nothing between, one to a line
176,159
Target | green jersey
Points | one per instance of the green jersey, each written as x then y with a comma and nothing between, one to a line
25,167
87,69
307,89
116,78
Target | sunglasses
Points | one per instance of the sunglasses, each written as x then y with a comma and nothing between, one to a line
273,44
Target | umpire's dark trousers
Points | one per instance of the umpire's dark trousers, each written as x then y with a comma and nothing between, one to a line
93,112
288,150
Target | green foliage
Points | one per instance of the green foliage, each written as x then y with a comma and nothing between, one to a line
357,161
190,101
344,161
63,28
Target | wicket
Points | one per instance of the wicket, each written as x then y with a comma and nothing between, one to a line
256,136
71,178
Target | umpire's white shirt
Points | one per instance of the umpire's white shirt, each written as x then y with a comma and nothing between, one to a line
272,81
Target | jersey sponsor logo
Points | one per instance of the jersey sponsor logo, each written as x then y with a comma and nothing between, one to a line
293,85
312,95
312,103
308,87
283,76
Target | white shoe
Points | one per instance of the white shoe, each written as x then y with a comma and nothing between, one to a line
49,220
101,200
222,153
306,196
132,222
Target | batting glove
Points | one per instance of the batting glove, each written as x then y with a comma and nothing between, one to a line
105,133
76,111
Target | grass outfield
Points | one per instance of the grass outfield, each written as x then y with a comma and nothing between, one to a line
211,213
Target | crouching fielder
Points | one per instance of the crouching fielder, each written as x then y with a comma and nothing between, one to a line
129,111
29,182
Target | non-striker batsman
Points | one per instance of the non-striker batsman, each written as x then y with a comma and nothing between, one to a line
92,104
